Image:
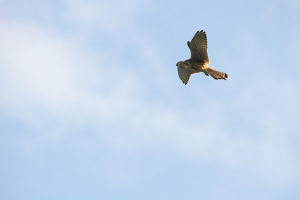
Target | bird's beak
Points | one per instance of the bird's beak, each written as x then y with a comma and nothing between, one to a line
177,64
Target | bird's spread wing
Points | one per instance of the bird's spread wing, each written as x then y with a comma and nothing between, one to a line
185,73
198,47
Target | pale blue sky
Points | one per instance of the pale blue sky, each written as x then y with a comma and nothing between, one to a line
91,106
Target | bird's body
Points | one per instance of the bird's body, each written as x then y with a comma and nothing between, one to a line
199,61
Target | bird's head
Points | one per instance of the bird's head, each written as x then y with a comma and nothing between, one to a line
185,64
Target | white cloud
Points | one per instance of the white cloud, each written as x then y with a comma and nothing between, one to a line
110,16
44,71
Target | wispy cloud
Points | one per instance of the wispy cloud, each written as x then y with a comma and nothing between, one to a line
132,107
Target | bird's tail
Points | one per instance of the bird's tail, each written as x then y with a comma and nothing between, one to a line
216,74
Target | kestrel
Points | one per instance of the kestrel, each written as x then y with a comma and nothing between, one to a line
199,60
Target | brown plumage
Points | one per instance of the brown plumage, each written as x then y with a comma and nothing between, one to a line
199,61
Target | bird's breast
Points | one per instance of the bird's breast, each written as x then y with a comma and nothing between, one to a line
198,65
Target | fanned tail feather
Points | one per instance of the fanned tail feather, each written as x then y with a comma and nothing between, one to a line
216,74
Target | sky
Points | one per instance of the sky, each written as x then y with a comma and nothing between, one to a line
91,105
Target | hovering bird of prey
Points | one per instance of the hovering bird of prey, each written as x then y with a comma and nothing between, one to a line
199,60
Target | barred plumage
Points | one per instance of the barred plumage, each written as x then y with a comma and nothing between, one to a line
199,60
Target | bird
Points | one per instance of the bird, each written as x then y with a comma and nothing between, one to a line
199,61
